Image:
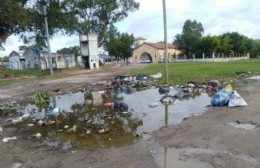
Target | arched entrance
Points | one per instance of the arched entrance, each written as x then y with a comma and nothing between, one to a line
146,56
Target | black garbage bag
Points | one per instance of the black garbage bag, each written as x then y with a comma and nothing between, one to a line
141,77
121,106
163,90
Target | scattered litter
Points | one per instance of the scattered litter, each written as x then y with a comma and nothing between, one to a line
245,126
197,114
25,116
236,100
51,144
120,106
156,76
153,104
73,129
40,122
101,131
141,77
222,97
167,99
128,89
180,94
66,126
88,131
214,83
7,139
122,78
17,120
163,90
38,135
109,104
255,78
191,85
30,125
54,112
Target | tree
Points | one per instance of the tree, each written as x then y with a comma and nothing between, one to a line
111,42
191,33
67,16
13,18
208,45
255,51
96,15
119,45
4,59
240,44
126,42
224,45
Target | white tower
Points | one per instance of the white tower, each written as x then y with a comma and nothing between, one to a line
89,51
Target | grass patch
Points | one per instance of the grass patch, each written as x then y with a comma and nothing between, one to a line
180,73
34,72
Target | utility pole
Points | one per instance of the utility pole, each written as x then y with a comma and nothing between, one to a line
165,44
48,41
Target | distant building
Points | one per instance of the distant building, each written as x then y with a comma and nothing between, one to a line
32,58
16,62
35,59
64,58
152,51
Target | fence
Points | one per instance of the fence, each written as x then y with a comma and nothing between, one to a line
213,58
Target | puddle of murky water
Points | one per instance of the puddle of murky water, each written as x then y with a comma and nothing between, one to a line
170,157
83,120
186,157
155,117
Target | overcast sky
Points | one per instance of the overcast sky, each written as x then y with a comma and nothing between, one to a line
216,16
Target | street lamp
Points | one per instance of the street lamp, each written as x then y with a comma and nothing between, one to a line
48,40
165,44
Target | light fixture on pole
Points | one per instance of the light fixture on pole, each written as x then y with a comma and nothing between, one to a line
165,44
48,40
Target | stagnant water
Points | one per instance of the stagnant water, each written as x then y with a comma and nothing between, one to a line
82,119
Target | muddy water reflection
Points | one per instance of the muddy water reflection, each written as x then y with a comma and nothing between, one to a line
171,157
83,120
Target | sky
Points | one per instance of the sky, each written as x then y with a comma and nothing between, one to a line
216,16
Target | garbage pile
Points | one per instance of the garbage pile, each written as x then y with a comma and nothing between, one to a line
220,95
127,83
228,96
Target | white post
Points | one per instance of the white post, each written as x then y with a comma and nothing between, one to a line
48,40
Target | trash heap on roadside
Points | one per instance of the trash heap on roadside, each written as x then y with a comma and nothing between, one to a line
221,96
228,96
111,117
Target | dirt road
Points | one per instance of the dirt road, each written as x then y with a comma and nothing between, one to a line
75,80
222,137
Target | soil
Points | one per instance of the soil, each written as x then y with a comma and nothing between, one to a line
207,140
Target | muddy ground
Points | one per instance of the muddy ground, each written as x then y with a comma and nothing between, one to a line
222,137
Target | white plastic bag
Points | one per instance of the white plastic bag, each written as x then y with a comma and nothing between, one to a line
236,100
